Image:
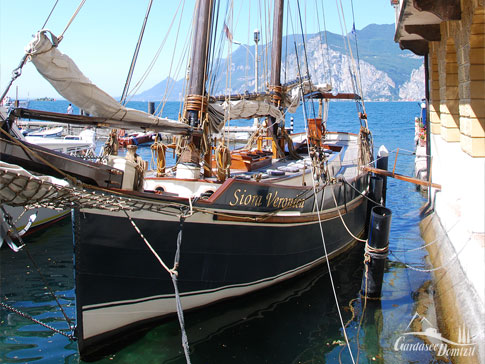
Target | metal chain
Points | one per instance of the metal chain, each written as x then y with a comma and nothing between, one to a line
14,233
432,269
70,336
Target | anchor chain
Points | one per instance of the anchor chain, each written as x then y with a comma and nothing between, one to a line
12,231
70,336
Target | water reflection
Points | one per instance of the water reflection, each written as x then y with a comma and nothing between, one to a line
21,340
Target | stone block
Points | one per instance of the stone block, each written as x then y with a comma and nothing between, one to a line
477,28
473,108
451,79
477,72
451,135
477,55
464,73
477,40
464,90
472,127
453,106
451,92
450,120
475,147
435,128
477,89
451,68
435,121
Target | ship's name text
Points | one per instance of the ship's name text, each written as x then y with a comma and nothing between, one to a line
242,198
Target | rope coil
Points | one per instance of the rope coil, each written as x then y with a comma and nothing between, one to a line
196,103
223,162
159,156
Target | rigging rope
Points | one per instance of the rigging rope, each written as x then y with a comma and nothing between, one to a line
48,17
71,20
135,55
322,235
142,79
306,56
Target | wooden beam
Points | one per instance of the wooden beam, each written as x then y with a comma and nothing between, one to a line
329,95
430,32
56,117
401,177
418,47
443,9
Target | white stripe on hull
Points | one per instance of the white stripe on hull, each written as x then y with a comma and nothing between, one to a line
102,318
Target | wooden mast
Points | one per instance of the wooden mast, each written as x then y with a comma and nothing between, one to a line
199,57
277,43
196,101
275,82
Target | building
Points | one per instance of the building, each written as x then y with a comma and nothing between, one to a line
450,35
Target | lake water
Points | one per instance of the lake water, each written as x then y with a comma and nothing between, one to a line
295,322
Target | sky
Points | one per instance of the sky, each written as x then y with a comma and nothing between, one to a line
102,37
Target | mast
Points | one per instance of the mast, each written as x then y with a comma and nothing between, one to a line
275,82
196,101
256,70
199,59
277,44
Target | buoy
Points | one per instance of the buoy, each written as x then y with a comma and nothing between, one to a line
382,162
376,251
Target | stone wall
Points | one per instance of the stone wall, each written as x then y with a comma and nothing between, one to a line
457,80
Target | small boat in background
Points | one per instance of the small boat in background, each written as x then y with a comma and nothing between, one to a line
8,103
46,132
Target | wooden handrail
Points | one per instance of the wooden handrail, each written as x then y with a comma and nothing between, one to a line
401,177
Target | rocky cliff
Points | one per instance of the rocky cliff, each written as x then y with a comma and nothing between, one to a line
386,71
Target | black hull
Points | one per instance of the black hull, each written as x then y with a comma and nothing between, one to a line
120,286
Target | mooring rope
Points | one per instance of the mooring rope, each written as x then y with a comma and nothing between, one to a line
180,311
361,193
436,268
173,274
343,222
322,235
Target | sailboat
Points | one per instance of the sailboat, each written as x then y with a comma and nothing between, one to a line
231,221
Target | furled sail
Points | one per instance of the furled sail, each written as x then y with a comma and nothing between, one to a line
240,109
293,96
63,74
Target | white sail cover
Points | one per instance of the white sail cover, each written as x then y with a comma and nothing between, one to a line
293,97
240,109
62,73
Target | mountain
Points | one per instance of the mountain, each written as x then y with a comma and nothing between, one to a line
387,72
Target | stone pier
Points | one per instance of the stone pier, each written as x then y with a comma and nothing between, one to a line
450,35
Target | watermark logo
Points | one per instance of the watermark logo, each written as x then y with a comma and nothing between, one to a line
433,340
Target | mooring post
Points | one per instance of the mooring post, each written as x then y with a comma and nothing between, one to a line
376,251
375,196
382,162
151,107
